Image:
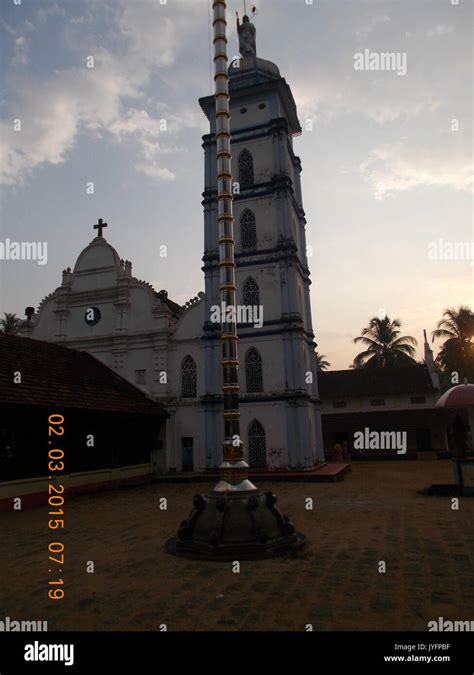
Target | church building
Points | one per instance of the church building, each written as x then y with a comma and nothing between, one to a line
173,352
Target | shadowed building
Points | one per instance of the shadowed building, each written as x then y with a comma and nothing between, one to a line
173,352
401,399
111,429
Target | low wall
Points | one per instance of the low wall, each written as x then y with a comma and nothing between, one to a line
34,491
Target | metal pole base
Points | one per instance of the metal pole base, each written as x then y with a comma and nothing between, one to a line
242,526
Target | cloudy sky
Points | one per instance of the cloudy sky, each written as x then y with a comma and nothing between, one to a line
387,165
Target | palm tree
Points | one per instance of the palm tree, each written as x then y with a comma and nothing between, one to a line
321,364
10,324
457,352
384,346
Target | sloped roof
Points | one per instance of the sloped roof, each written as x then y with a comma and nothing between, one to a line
373,382
52,375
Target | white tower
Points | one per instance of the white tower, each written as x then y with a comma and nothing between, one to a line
279,401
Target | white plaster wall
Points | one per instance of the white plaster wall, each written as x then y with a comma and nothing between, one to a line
362,404
268,280
271,351
272,417
264,210
189,422
140,315
262,152
254,116
189,326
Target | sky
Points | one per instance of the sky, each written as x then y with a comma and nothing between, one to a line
387,158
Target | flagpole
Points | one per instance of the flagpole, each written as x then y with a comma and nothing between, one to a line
234,469
234,520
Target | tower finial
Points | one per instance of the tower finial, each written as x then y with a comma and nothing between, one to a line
99,227
247,33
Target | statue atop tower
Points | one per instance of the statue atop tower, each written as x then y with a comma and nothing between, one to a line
247,33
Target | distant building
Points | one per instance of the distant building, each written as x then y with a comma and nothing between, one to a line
384,399
111,431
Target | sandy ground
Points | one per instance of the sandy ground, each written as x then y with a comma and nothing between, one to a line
374,514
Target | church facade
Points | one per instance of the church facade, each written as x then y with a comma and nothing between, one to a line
172,352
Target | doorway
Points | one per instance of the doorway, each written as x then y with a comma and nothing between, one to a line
187,454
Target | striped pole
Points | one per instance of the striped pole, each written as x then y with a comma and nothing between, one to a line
233,470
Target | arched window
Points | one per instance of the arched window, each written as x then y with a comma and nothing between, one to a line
246,175
188,378
251,294
257,445
253,371
248,230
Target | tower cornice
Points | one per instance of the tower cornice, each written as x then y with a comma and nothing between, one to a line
280,85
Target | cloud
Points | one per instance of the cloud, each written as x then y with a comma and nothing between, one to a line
395,167
326,86
374,22
155,172
21,51
55,109
8,28
377,98
440,29
53,112
151,34
20,44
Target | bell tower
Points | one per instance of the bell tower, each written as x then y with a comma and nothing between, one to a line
279,401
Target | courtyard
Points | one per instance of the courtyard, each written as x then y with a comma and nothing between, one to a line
333,583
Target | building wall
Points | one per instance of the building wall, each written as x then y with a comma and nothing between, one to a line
425,428
286,342
392,402
138,332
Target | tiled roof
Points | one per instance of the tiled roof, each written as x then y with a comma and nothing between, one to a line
58,376
373,382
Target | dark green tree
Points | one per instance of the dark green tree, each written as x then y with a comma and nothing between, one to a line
321,363
457,351
10,323
385,346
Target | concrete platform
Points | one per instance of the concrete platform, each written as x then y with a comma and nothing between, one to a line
326,473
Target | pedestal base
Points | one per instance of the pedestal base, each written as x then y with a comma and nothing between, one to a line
242,526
